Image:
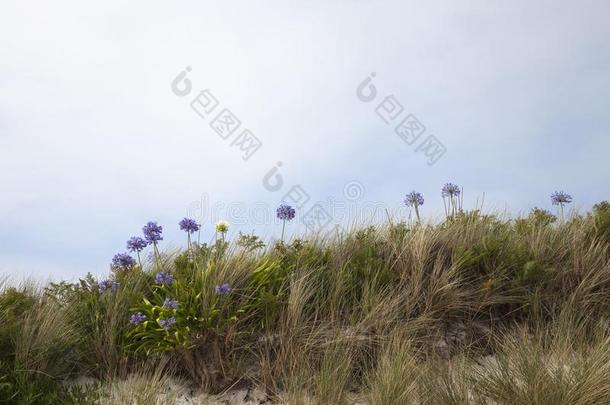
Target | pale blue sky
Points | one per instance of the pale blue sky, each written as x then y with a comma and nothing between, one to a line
94,143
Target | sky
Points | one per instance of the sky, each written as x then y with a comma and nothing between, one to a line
114,113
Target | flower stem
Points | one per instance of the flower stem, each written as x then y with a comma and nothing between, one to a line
283,226
157,256
452,206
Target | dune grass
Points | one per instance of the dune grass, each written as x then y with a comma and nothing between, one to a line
472,310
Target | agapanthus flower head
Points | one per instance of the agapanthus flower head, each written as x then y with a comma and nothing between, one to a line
105,285
414,199
164,278
167,323
170,303
285,212
450,190
152,232
122,261
189,225
560,198
223,289
137,318
136,244
222,226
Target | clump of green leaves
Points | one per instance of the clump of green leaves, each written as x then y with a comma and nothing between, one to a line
250,242
537,218
170,314
180,312
601,220
267,291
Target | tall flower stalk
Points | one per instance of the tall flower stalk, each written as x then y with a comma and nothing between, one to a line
451,199
136,244
415,200
561,198
285,213
189,226
222,227
152,234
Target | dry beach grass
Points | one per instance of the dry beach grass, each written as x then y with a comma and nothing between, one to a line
472,310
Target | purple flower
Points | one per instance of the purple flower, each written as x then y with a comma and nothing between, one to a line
285,212
167,323
105,285
170,303
560,198
164,278
223,289
450,190
152,232
414,199
136,244
189,225
137,318
122,261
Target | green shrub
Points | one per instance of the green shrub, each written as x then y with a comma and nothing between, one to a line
37,349
197,310
601,220
267,292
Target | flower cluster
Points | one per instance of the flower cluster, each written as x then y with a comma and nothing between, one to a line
170,303
136,244
167,323
122,261
152,232
137,318
285,212
414,199
450,190
189,225
560,198
223,289
222,226
105,285
163,278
